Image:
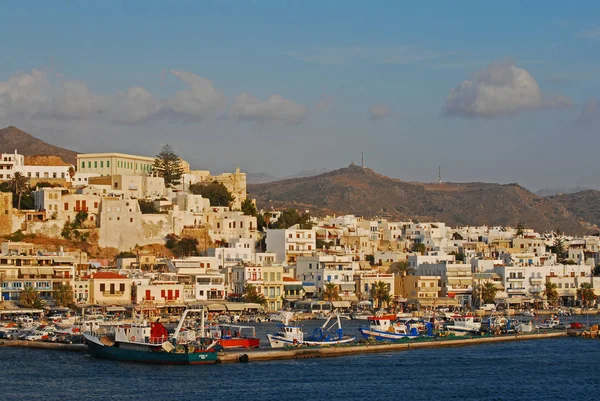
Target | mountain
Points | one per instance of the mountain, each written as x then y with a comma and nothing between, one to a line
363,192
260,178
559,191
583,204
12,138
264,178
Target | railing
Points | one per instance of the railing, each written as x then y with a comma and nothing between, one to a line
113,294
516,278
516,289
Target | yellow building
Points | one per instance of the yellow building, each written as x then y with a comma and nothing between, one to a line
424,290
114,164
272,286
107,288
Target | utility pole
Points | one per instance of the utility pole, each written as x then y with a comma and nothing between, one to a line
440,175
362,159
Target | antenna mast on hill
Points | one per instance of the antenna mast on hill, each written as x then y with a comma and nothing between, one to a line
440,175
362,159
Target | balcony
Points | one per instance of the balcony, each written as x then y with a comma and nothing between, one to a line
536,280
536,290
518,278
458,288
516,290
114,294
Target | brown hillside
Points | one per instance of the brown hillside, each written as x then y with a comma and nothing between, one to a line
12,138
354,190
583,204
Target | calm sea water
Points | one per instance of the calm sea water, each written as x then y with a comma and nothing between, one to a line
556,369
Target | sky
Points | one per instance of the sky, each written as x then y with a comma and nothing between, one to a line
490,91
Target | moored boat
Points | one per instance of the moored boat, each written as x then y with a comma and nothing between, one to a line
235,336
384,327
464,324
150,343
290,334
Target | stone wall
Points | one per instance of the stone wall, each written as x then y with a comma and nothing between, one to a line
6,213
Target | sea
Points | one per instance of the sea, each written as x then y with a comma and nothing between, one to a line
553,369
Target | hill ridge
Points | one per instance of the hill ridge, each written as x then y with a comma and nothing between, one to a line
12,138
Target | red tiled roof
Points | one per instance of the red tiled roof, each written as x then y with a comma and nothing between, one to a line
289,279
109,275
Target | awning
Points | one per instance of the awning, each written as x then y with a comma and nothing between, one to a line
216,308
46,270
115,309
28,270
347,286
310,288
293,287
236,306
340,304
512,301
251,305
349,298
365,303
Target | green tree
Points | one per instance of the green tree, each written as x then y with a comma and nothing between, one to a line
215,192
380,292
248,208
188,246
291,217
75,230
148,206
551,293
488,293
30,298
63,295
400,268
19,184
253,296
167,165
559,249
520,230
585,293
419,247
331,292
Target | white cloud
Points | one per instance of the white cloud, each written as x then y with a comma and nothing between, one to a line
378,111
135,105
202,101
498,90
275,109
24,94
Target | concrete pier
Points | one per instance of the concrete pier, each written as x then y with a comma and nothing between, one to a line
269,354
43,345
360,348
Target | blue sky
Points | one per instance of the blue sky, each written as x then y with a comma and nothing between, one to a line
501,92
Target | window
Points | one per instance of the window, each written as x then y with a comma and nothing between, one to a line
82,164
122,287
102,287
107,163
101,163
89,164
95,164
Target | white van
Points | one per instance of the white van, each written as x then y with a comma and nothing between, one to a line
488,307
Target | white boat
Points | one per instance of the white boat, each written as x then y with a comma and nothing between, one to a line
549,323
360,315
527,313
291,334
524,327
464,324
386,328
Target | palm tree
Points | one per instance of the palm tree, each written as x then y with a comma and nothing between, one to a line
380,293
30,298
253,296
488,293
551,293
401,268
331,292
63,295
586,294
18,185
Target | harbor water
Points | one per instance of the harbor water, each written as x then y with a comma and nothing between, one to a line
553,369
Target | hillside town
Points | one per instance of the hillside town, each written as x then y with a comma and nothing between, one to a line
127,232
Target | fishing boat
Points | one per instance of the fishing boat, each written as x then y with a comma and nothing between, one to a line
290,333
234,336
464,324
549,323
151,343
384,327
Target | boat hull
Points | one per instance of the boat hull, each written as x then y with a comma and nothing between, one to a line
153,355
383,335
281,342
229,343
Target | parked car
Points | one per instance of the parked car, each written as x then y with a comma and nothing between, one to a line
577,326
